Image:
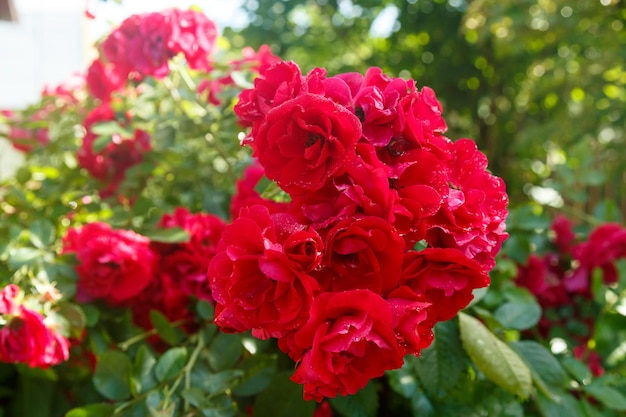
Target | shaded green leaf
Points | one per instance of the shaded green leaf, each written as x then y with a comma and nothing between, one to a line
362,404
23,256
518,315
494,358
282,398
112,376
224,351
542,361
258,370
92,410
170,364
608,396
143,377
440,365
164,328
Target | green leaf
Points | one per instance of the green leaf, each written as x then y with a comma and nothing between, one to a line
41,233
440,366
143,371
169,235
110,128
92,410
101,142
170,364
608,396
220,406
112,376
224,351
518,315
258,370
577,369
205,310
494,358
75,316
564,405
221,381
23,256
542,361
166,331
362,404
282,398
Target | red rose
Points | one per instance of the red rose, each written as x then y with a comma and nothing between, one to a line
246,194
194,35
413,320
113,265
275,85
362,253
420,121
347,341
102,80
443,277
140,44
304,141
544,278
473,216
26,339
362,189
256,283
377,104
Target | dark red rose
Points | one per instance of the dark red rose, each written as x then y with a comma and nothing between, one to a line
26,339
362,253
256,283
305,141
605,245
443,277
544,278
347,340
473,216
113,265
188,262
110,163
564,235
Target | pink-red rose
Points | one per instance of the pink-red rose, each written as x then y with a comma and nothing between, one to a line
443,277
347,340
113,265
362,253
258,284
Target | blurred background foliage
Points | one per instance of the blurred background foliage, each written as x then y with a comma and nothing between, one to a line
539,84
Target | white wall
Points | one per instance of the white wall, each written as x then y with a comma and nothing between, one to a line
45,46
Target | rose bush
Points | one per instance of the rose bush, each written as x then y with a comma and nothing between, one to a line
205,231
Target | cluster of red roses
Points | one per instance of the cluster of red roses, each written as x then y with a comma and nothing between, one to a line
562,281
144,44
125,269
334,274
27,337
